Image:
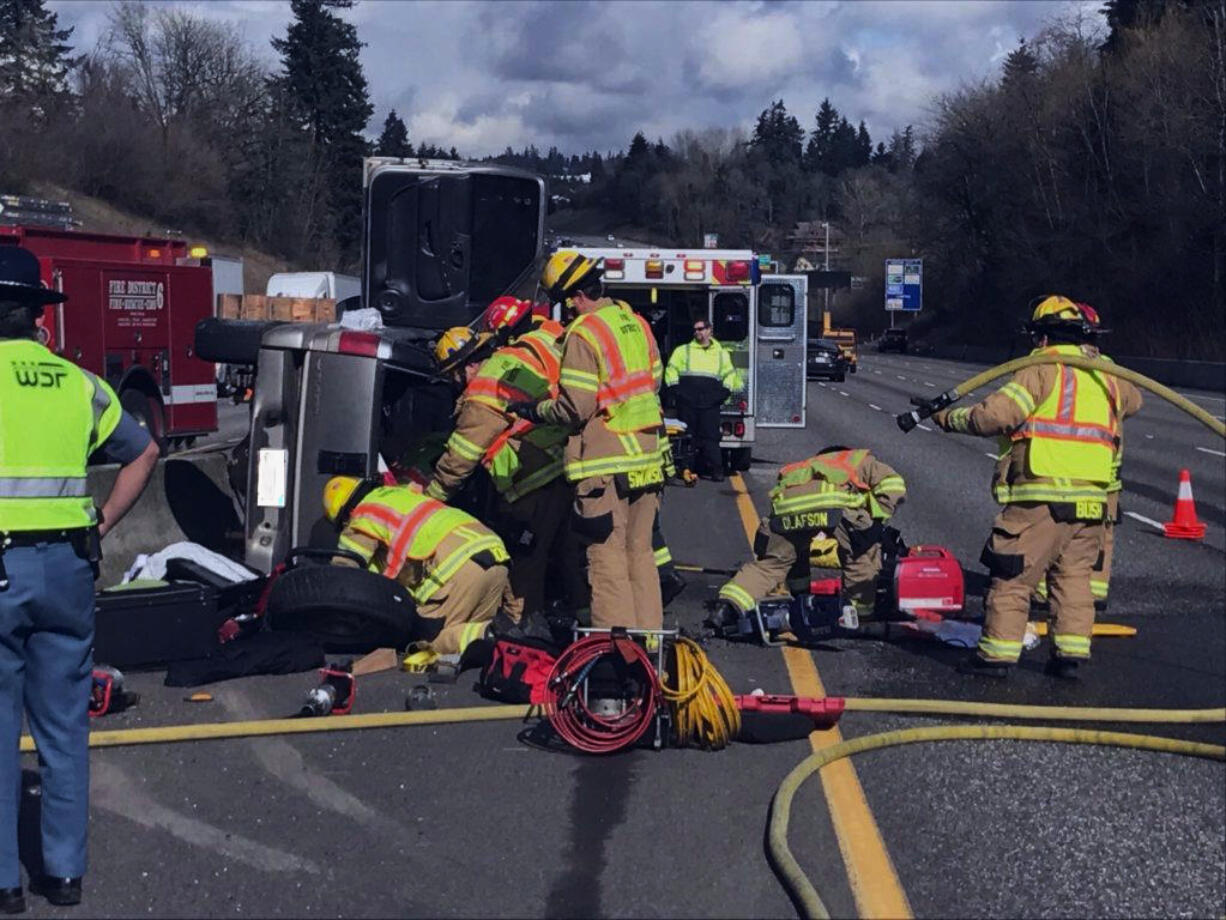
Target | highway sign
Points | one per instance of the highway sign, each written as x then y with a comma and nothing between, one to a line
904,284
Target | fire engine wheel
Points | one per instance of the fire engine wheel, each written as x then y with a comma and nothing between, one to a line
148,413
346,610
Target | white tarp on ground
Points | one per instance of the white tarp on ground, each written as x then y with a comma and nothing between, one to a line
153,565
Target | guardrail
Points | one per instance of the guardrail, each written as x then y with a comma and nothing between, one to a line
1201,375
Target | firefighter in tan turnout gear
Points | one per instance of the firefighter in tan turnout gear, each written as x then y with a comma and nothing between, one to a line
608,400
1060,431
523,459
851,487
453,566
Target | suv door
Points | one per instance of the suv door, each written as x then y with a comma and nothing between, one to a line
441,239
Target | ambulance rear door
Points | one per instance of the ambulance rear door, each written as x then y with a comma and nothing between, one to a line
780,347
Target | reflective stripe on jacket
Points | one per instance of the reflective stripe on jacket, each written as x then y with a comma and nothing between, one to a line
712,362
53,415
414,531
846,479
607,394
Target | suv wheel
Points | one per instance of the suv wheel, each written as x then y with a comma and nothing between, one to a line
345,609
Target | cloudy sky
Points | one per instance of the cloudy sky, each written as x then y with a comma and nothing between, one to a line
482,75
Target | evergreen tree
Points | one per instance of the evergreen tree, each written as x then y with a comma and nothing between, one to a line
778,135
820,150
323,82
1123,15
34,55
864,146
1020,65
394,140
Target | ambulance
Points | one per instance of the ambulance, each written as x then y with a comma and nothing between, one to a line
760,318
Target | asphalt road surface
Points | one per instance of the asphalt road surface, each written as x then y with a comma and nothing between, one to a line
472,820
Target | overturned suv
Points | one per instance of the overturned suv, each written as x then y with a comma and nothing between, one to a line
440,241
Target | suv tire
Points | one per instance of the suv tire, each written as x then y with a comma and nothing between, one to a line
345,609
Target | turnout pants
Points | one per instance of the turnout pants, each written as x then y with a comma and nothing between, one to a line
46,665
785,560
543,512
1100,574
621,565
1025,543
465,605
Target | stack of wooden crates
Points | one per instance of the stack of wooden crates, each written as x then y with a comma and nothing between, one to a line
277,309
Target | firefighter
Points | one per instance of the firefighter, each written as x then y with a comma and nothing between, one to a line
454,567
863,491
608,398
1060,431
53,415
701,376
524,460
1100,574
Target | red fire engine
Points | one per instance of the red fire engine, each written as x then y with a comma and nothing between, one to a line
133,304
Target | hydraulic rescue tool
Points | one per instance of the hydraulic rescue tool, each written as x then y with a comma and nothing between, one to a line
107,693
334,695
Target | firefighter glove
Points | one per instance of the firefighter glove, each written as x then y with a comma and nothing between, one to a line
861,541
529,411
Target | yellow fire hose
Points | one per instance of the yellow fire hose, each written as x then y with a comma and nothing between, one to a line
798,886
909,420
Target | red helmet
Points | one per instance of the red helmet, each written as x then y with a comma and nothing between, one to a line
507,315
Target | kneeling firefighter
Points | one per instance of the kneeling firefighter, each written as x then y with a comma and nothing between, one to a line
453,566
607,398
523,458
1060,431
850,485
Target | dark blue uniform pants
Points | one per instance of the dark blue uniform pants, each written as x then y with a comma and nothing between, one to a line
46,662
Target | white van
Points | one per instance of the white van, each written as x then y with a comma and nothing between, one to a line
313,284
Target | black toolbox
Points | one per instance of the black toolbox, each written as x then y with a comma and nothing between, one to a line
149,627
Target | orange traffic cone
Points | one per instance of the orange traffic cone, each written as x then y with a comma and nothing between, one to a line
1185,525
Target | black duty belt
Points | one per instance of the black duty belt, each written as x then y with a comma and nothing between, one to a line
34,537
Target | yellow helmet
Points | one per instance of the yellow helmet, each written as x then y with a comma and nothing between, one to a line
567,271
337,493
1056,313
458,345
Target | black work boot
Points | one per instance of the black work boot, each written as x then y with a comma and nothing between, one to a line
671,585
1062,668
503,627
12,901
980,667
63,892
723,619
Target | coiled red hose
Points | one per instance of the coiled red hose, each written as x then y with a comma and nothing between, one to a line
569,713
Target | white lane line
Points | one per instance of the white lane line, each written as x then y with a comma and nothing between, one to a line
1210,450
1149,437
927,384
923,428
878,408
988,453
1143,519
878,373
822,385
900,376
844,393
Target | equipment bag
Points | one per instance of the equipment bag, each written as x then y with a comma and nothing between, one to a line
518,671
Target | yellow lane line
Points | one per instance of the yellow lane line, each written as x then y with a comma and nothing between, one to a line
870,871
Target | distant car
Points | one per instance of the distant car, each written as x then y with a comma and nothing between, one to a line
824,358
893,340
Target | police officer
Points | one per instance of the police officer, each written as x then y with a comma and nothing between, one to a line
862,491
53,415
702,376
1062,427
608,399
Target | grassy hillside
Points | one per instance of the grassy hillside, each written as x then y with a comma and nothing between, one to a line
99,217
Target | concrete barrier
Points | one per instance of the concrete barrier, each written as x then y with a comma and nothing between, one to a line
187,498
1199,375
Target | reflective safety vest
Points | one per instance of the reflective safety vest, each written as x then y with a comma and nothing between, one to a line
821,483
412,527
626,386
1073,438
525,371
713,362
53,415
630,368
